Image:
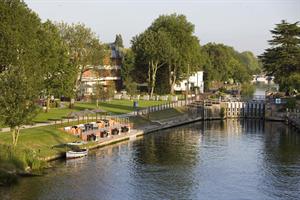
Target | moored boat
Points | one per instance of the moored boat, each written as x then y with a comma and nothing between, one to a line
76,154
76,143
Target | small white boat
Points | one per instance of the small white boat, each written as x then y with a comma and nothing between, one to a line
76,143
77,153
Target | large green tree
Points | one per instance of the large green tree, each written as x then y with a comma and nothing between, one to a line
223,63
84,48
17,100
282,59
58,73
119,41
150,47
168,45
183,56
250,61
21,76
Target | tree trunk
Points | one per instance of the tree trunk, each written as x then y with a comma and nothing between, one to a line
78,81
71,105
172,80
48,103
149,77
15,135
154,67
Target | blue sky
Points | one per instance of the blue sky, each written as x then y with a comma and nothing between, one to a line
243,24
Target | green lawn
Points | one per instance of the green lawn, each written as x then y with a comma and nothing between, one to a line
140,121
45,141
165,114
113,107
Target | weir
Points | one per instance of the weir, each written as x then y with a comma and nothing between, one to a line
252,109
215,109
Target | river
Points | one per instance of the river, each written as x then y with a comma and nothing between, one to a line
234,159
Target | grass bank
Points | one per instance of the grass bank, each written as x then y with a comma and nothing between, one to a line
37,144
113,107
145,120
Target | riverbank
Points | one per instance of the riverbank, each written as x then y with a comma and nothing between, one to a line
47,143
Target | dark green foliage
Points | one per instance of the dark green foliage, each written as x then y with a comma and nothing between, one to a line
223,63
21,74
119,41
168,43
131,86
291,103
55,62
84,50
282,59
17,100
249,60
7,179
128,65
247,90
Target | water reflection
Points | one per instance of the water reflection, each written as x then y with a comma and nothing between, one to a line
234,159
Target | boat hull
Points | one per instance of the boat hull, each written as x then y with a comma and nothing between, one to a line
75,154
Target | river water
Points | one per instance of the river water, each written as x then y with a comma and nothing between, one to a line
234,159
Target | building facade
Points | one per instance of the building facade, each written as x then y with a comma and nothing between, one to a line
108,74
194,82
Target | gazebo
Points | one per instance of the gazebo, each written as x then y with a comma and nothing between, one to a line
100,112
75,114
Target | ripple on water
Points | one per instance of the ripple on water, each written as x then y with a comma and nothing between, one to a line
211,160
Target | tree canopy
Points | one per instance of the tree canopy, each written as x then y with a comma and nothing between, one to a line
119,41
222,63
58,73
169,45
20,74
282,59
83,46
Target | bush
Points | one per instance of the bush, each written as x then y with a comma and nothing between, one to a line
19,160
7,179
247,90
291,103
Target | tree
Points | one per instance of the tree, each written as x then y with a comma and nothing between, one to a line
150,47
84,48
104,92
21,76
56,68
17,100
223,63
128,64
282,59
131,86
169,44
252,64
119,41
183,50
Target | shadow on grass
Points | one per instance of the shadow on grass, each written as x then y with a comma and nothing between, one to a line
113,108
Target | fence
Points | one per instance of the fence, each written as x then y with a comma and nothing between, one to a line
164,106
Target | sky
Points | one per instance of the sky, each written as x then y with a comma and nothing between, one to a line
243,24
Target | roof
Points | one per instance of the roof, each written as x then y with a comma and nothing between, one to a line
116,52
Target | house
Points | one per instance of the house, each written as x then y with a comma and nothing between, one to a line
107,74
194,83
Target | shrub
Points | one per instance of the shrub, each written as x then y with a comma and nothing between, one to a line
291,103
247,90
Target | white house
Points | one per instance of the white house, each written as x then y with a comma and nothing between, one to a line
195,80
